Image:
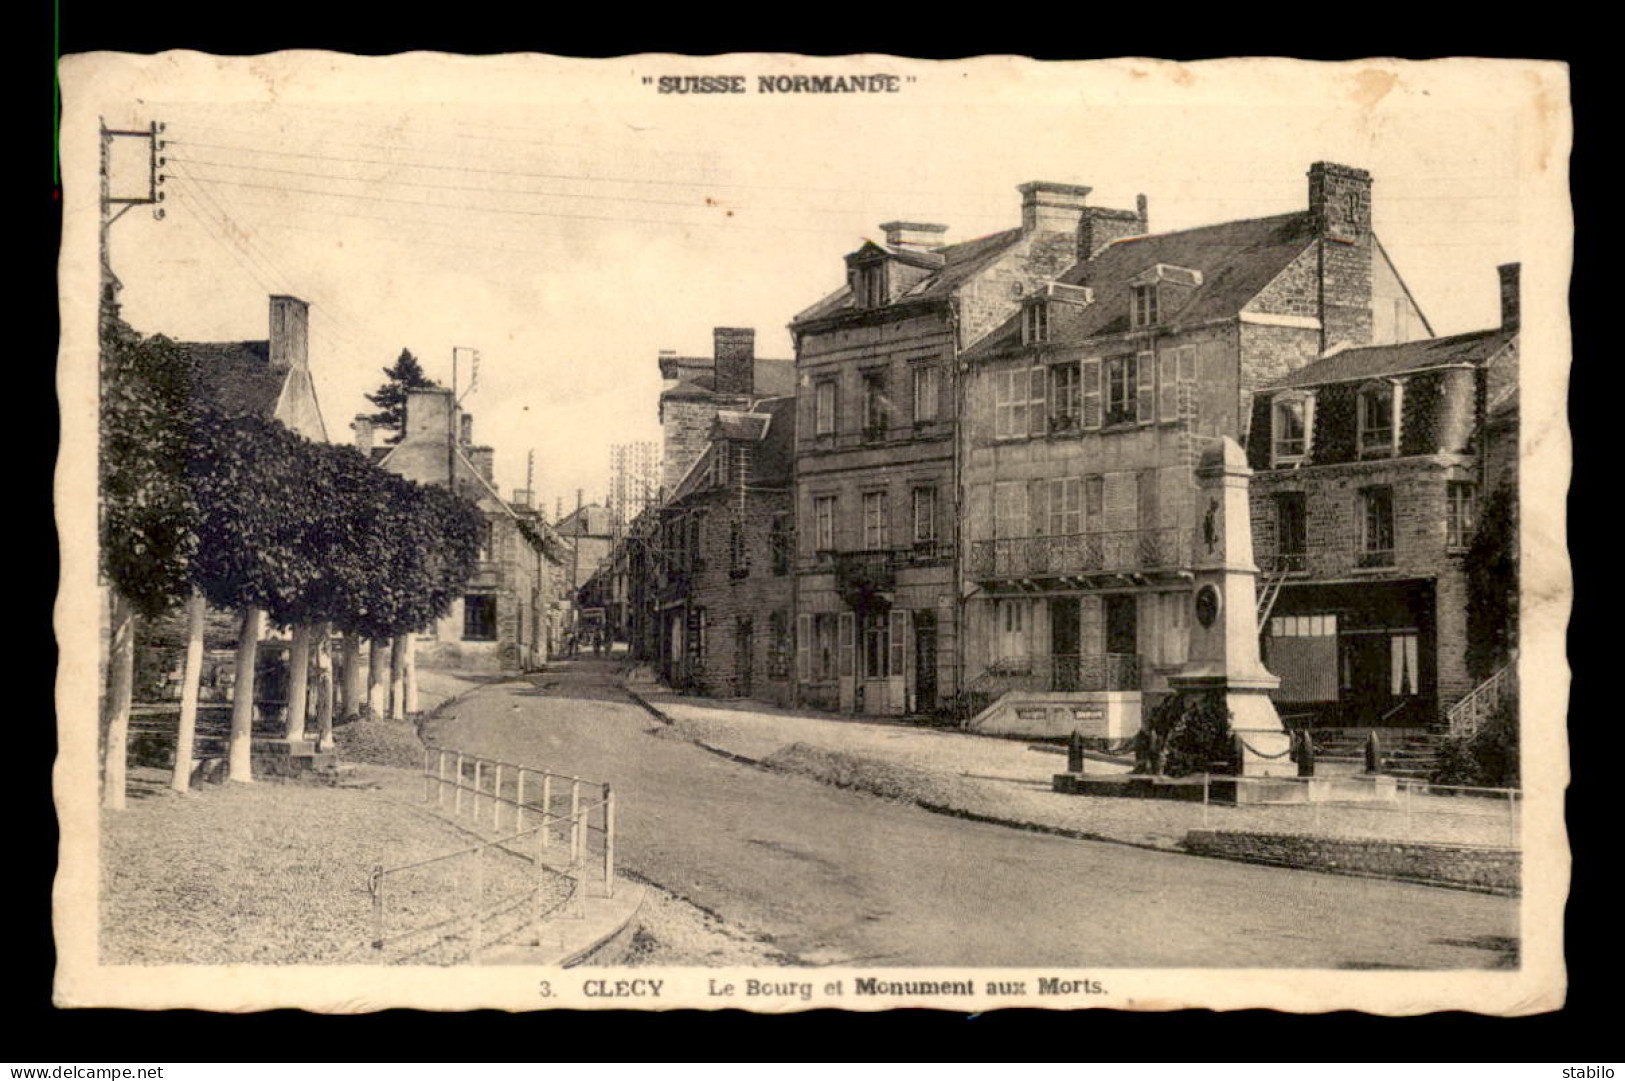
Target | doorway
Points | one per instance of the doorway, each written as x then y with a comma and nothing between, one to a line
1064,639
1122,624
925,660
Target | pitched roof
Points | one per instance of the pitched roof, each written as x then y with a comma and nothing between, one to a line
738,426
1236,259
959,262
1371,361
237,377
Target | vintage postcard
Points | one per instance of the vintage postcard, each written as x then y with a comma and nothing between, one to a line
779,533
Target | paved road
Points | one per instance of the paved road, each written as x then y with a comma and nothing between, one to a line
835,877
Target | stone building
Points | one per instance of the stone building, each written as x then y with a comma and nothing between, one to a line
267,378
722,592
878,498
1371,466
1086,410
697,388
508,619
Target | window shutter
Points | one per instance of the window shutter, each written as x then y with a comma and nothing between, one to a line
899,628
1167,385
1036,379
804,647
1187,380
1308,426
848,651
980,518
1037,516
1145,395
1091,394
1398,414
1121,511
1094,517
1147,499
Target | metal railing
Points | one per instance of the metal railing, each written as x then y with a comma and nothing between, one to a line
1467,715
560,835
1121,552
1098,672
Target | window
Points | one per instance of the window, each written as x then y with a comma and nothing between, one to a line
824,523
1145,305
1065,401
738,559
1122,388
876,645
925,515
1035,323
1094,502
1378,414
1010,509
778,645
1291,524
486,534
1290,428
925,393
872,285
1376,527
1458,521
1168,385
1403,674
779,540
824,654
1065,506
1018,402
1090,370
875,405
1312,626
824,408
874,521
480,617
1010,630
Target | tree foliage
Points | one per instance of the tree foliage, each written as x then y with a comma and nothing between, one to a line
403,377
1492,584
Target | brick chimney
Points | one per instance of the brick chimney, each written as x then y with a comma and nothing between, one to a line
466,430
362,426
290,333
735,360
484,459
914,235
1052,208
1509,294
1102,225
1340,213
428,414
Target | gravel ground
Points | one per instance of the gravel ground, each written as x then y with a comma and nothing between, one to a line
673,932
276,873
1004,779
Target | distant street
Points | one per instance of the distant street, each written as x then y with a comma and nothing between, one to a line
835,877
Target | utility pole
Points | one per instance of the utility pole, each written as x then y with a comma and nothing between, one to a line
108,300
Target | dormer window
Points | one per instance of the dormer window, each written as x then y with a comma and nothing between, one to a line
872,285
1293,414
1145,306
1035,324
1378,410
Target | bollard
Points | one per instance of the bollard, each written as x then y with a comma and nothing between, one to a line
609,841
457,793
1074,752
547,810
440,789
496,796
519,801
1206,780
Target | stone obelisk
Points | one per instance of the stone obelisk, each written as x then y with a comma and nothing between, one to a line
1223,654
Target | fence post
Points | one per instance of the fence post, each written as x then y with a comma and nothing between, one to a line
477,932
479,774
575,820
496,796
377,884
519,801
457,793
609,841
440,789
547,810
428,775
541,880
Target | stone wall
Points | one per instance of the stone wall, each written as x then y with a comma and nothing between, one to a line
1491,870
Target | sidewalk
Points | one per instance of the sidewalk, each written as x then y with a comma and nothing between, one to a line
1009,781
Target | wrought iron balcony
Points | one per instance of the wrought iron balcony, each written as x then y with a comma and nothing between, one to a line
1126,552
1096,672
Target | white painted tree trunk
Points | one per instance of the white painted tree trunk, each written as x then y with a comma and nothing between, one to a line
239,757
298,681
377,669
191,676
397,676
120,681
350,705
411,675
324,687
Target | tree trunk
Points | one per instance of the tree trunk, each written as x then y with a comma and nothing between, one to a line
120,682
397,676
324,687
298,681
351,676
191,675
239,759
377,665
411,676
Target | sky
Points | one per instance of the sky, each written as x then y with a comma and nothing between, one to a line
571,223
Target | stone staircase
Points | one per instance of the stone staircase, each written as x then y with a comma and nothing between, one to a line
1406,752
153,732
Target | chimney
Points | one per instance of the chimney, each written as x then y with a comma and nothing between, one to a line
521,497
290,333
1340,202
914,235
428,414
1100,226
1509,294
484,459
735,360
1052,208
466,431
362,426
